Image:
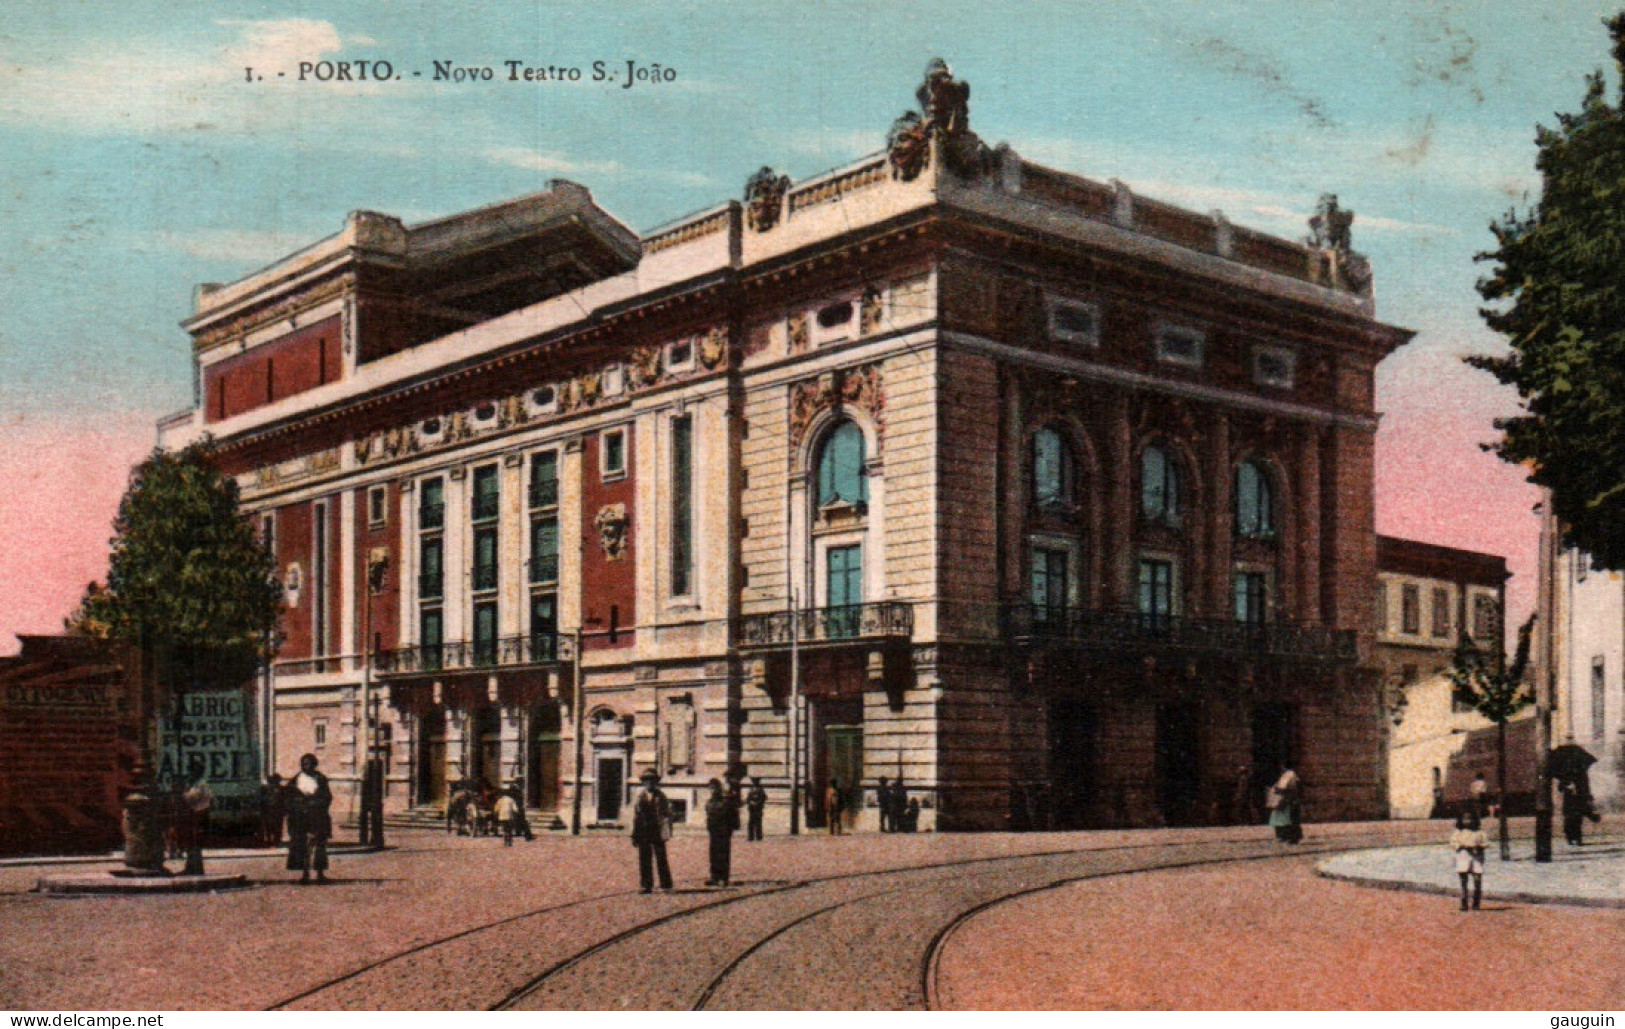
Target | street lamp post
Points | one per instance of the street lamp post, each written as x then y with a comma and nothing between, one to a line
580,722
795,717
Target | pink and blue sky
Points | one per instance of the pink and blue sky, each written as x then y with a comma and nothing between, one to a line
137,162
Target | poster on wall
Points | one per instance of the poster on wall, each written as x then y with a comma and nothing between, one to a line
210,736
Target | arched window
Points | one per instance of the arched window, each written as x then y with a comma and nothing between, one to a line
842,478
1255,501
1053,471
1159,486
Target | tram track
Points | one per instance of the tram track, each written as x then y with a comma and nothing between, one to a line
577,959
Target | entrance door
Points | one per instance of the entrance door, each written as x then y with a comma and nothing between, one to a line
488,746
844,589
1179,764
432,757
844,744
611,785
542,782
1072,763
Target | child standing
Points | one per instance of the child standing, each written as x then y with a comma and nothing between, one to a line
1469,843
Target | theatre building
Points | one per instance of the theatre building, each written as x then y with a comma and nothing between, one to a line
1052,499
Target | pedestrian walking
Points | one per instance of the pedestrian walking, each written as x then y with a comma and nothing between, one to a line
1469,844
755,805
651,828
310,821
1284,801
1577,808
521,822
721,818
506,811
883,800
834,801
272,811
899,804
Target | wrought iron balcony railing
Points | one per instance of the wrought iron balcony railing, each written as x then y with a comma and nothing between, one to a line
543,568
544,493
1131,630
432,516
469,655
430,586
886,619
486,506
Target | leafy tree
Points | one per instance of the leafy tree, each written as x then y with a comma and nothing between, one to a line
1560,269
189,580
1486,682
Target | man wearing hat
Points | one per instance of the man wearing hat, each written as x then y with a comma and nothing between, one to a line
651,828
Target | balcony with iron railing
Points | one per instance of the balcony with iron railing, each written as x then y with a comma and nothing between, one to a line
431,586
543,568
824,626
537,649
1040,626
431,516
484,576
486,506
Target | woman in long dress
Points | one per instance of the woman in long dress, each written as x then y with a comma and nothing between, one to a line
1285,804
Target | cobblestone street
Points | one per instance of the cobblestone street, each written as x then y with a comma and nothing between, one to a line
1166,918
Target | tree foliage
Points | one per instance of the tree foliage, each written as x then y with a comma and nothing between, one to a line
1484,679
1559,287
188,578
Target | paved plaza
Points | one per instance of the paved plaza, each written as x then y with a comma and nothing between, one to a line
1198,918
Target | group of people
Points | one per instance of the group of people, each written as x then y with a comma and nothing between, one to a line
480,809
304,803
652,827
898,811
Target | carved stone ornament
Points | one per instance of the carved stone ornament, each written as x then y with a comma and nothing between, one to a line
612,524
862,388
764,199
461,427
713,347
871,310
908,145
588,387
643,366
798,332
512,411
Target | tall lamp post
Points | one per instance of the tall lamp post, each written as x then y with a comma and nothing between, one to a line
795,717
580,722
1546,686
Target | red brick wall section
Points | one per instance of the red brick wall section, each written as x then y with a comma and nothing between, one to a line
607,583
293,546
300,361
382,609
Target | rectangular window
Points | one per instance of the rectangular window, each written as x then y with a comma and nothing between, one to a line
544,479
680,355
544,626
1050,588
318,583
612,458
1486,617
1250,598
1441,612
485,559
544,549
1073,321
431,568
318,731
682,505
485,633
1382,607
614,381
1582,565
1410,610
377,506
432,504
1180,345
431,638
487,492
1274,366
1156,592
1599,697
844,589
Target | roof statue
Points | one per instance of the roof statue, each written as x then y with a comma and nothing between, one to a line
1337,264
944,118
764,198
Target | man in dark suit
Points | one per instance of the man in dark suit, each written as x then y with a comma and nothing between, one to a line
721,819
651,828
310,822
755,804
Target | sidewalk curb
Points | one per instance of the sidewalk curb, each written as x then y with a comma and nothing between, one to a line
1408,886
